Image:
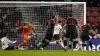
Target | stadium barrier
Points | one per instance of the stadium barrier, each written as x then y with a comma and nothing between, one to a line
95,44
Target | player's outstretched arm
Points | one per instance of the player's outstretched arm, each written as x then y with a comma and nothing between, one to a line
9,41
34,29
19,27
64,26
79,27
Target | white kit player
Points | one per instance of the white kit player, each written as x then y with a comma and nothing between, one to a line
57,32
5,43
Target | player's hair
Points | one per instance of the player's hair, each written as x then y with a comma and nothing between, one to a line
57,16
70,15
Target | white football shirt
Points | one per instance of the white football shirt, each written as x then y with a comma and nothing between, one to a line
5,41
57,29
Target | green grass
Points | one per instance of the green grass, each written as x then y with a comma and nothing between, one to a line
48,53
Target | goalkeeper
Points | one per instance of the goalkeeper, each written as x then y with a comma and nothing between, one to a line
25,34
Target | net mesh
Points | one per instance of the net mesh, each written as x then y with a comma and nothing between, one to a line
38,14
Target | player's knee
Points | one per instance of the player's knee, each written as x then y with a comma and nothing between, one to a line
57,42
65,38
25,41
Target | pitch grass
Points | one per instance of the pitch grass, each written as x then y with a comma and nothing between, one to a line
48,53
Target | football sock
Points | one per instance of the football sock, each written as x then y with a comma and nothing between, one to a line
22,44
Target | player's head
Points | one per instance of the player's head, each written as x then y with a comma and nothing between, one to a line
27,23
57,18
70,16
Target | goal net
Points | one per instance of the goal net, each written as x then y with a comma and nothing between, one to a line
38,13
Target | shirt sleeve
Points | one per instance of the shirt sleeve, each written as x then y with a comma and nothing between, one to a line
8,41
60,27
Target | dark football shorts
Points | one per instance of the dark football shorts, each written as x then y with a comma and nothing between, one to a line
71,35
85,37
49,36
56,37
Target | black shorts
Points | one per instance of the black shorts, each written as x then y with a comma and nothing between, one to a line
85,36
71,35
10,48
49,36
56,37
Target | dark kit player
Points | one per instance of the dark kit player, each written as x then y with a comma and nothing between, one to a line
71,31
49,34
85,35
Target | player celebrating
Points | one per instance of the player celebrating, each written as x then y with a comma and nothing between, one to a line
25,34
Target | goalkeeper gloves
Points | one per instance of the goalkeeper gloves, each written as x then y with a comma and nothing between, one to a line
16,28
